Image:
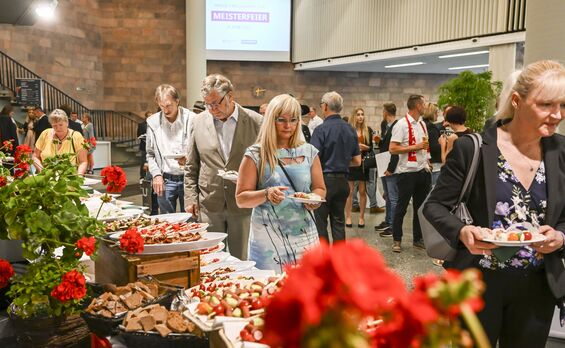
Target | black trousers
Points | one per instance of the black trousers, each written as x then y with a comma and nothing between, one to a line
415,186
518,309
334,207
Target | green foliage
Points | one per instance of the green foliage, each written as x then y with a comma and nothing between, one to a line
474,92
45,212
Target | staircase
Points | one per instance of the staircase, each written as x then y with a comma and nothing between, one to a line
120,128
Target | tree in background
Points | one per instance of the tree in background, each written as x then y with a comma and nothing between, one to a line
475,92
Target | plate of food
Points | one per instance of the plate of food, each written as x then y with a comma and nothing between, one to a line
174,156
178,243
173,217
91,181
234,266
230,175
213,249
208,259
515,235
309,198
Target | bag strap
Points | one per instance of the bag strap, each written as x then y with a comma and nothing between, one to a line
477,141
281,164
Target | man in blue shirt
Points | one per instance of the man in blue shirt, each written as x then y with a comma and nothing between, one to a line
339,149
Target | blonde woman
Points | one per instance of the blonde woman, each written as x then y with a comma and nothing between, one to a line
281,228
30,134
520,179
365,137
60,140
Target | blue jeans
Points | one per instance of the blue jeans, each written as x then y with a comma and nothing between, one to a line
390,188
371,190
168,200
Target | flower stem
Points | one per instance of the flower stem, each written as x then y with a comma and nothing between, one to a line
475,326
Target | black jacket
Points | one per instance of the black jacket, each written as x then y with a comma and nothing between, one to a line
433,139
41,125
8,131
482,199
306,132
75,126
385,143
142,129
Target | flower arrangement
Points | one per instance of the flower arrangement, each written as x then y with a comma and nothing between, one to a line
357,302
45,212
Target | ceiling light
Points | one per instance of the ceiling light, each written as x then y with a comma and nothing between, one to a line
463,54
401,65
46,10
468,67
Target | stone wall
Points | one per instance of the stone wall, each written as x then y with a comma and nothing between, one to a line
65,52
107,54
367,90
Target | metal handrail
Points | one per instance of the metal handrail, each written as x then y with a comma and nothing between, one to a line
108,124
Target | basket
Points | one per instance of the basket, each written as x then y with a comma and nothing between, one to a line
154,340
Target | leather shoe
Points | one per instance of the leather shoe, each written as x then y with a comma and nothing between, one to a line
386,232
396,247
376,210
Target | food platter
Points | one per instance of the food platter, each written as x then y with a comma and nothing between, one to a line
122,214
518,234
91,181
173,217
308,198
237,266
209,259
213,249
208,240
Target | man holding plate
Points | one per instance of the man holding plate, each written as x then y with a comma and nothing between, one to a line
167,138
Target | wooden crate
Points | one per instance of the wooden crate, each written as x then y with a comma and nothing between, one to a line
113,266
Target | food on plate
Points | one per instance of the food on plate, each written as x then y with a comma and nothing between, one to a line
253,331
213,249
209,262
122,299
156,318
513,234
122,225
166,232
304,195
206,277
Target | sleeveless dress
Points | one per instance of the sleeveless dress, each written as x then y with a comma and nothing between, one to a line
280,234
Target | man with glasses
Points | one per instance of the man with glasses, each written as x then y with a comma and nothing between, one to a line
167,142
220,136
339,149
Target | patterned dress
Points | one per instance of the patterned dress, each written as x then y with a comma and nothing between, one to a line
280,234
515,204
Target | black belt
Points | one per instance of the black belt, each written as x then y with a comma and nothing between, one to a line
336,175
173,177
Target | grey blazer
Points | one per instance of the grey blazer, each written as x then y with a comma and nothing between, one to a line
202,184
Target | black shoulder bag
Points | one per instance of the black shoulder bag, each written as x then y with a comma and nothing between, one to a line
281,164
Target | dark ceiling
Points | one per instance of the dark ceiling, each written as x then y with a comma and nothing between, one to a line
17,12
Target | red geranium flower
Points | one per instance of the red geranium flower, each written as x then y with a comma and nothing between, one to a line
22,153
93,141
87,244
132,241
89,143
7,144
6,272
114,178
21,169
72,287
3,181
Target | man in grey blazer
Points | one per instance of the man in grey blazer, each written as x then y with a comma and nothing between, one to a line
220,136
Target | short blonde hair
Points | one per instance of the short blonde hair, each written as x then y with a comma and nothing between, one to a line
267,138
165,90
430,112
546,75
58,115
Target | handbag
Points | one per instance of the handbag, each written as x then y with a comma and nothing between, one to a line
436,245
281,164
369,161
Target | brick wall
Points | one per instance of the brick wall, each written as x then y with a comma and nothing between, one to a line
115,51
367,90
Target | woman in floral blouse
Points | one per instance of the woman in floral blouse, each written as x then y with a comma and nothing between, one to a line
520,180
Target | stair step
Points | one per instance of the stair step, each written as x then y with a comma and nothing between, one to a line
132,149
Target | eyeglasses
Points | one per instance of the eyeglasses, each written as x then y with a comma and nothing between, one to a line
214,105
284,120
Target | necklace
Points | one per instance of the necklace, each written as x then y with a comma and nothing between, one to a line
528,161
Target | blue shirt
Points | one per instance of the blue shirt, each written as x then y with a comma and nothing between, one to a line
337,142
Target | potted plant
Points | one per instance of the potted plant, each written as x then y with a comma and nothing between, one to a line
476,93
45,212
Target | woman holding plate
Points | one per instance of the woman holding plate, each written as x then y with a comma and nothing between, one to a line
520,179
280,164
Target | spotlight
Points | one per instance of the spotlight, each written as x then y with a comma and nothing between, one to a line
46,9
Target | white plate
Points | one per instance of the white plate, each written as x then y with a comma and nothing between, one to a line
214,249
173,217
208,240
208,258
306,200
124,214
535,239
257,274
90,181
236,265
173,156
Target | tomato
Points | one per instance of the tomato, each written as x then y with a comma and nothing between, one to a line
219,309
527,236
246,336
513,237
256,303
203,308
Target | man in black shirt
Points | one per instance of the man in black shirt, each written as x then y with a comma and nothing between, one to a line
41,122
339,149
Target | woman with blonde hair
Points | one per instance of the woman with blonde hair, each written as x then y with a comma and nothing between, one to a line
358,121
30,134
430,117
519,181
279,165
60,140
